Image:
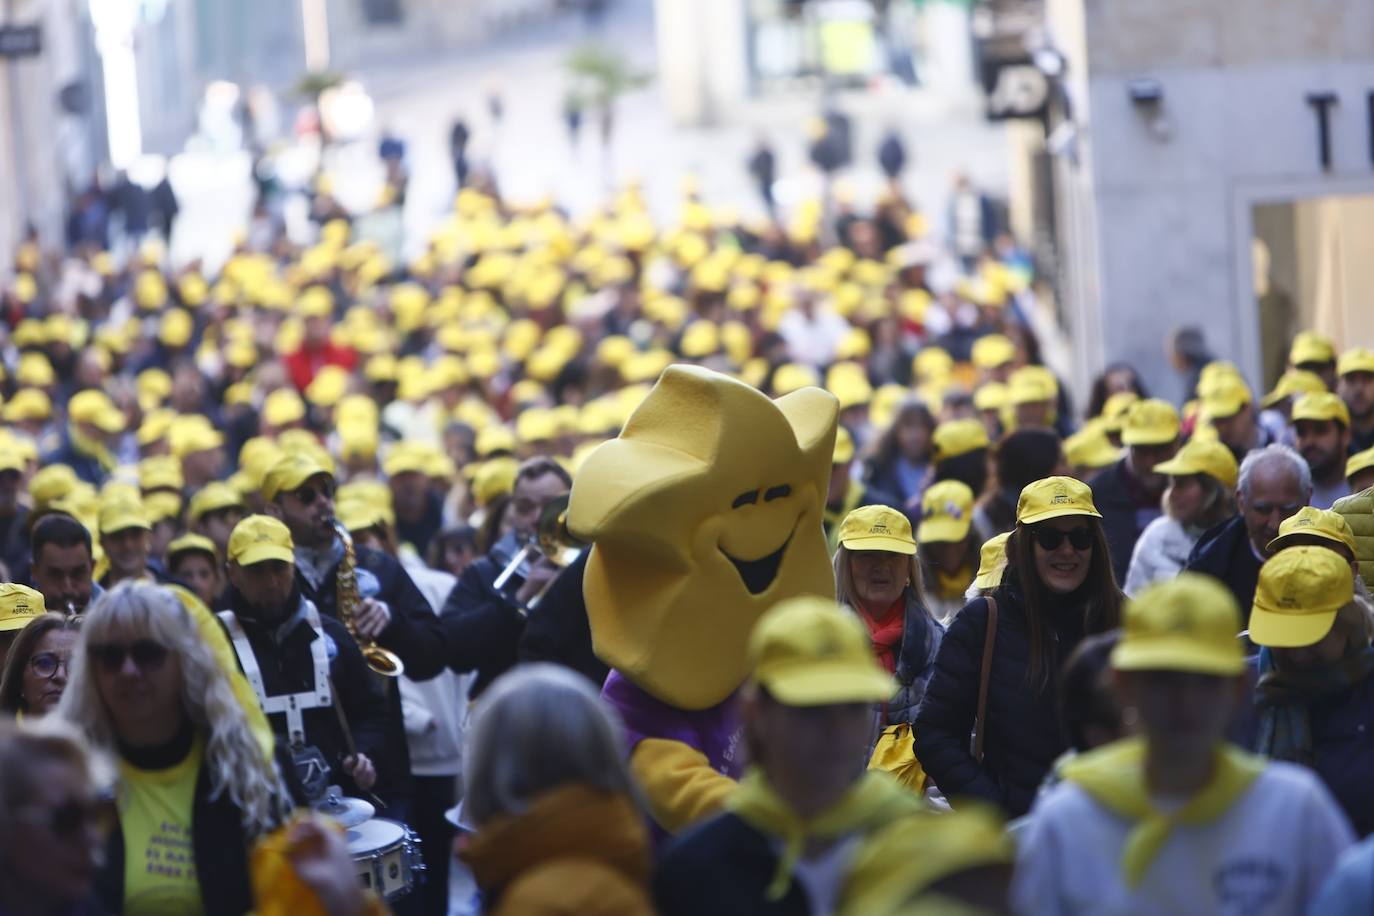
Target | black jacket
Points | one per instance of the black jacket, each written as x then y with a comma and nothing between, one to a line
290,668
1023,734
217,840
414,632
419,533
482,627
558,630
723,866
87,468
1224,552
1124,515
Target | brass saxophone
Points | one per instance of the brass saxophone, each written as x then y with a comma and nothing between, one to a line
382,661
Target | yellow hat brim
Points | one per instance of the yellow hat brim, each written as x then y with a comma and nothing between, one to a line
879,542
124,524
1290,631
1177,653
260,553
943,530
825,684
1280,542
1045,515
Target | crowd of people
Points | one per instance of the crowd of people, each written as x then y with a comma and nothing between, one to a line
293,534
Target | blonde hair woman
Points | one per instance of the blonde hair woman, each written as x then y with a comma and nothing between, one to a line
195,787
546,784
878,576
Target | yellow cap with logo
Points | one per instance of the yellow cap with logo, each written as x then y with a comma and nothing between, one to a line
1310,521
1150,422
808,652
953,438
992,562
1356,359
259,538
121,516
1189,623
877,528
1309,347
1199,456
946,512
1054,497
1360,461
19,605
1300,591
291,473
1321,407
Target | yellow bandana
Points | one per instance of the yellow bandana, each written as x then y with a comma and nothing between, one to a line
1115,777
872,801
92,448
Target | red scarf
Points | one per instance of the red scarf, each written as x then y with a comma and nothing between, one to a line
885,629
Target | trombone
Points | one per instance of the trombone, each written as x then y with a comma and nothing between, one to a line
552,540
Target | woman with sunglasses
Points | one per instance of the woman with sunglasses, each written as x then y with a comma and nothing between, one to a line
195,788
55,810
1058,587
38,665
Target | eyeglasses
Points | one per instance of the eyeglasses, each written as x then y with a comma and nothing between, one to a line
45,664
308,495
1050,538
146,654
69,817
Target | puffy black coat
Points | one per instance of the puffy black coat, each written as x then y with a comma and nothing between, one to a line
1224,552
1023,733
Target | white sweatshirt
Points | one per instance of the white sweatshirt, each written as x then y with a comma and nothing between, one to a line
435,711
1267,856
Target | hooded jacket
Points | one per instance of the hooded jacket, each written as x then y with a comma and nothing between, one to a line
576,850
1023,734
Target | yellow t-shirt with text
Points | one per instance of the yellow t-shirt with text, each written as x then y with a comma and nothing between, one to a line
155,809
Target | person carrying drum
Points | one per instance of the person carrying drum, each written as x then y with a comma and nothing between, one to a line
308,672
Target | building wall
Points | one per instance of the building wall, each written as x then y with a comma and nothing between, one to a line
1161,228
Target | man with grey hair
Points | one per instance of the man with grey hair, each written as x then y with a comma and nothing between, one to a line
1274,483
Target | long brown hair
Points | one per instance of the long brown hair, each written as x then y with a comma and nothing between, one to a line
1101,610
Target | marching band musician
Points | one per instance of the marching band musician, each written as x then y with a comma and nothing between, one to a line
296,658
482,623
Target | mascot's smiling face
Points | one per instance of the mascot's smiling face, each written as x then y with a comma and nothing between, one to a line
705,513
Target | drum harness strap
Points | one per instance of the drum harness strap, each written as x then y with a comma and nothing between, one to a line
289,703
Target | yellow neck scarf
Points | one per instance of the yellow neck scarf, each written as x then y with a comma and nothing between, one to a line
874,800
1115,777
92,448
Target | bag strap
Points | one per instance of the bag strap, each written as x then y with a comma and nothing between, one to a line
989,641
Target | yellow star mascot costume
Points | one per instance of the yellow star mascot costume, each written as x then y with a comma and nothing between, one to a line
703,514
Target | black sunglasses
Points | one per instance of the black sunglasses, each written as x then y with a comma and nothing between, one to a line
45,664
68,818
146,654
308,495
1050,538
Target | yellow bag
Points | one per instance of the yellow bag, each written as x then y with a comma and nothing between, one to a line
895,753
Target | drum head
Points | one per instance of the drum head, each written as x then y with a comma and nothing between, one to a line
374,835
350,812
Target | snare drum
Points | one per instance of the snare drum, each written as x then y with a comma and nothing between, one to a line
387,856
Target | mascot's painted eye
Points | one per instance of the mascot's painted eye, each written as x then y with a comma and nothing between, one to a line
745,499
777,493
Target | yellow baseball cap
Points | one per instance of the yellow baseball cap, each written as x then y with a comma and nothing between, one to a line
213,497
1360,461
844,446
1321,407
259,538
494,478
162,506
946,512
51,483
190,434
1090,448
1189,623
991,396
1054,497
1225,397
1199,456
161,472
11,459
992,562
1294,381
95,407
494,439
291,473
189,543
405,458
953,438
1300,591
1311,348
1356,359
1031,384
993,350
19,605
1150,422
283,406
877,528
1310,521
791,377
123,515
808,652
1115,408
27,405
